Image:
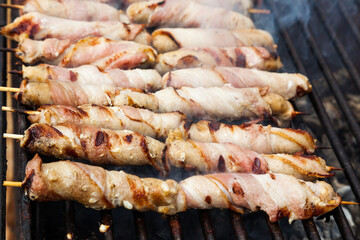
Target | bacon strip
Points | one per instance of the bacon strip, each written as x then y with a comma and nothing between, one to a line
230,157
171,39
97,145
174,13
116,118
255,137
147,80
38,26
208,103
286,85
101,52
76,10
246,57
278,195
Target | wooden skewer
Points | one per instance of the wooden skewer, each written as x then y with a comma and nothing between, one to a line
300,113
13,136
259,11
8,50
10,109
15,72
12,184
14,6
9,89
349,203
334,168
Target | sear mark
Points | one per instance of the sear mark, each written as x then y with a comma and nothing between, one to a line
128,138
208,199
237,189
100,138
221,164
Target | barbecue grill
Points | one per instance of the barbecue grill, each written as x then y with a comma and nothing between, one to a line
320,39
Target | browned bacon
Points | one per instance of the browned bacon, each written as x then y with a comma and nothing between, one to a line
285,84
245,57
76,10
276,194
174,13
143,121
261,139
38,26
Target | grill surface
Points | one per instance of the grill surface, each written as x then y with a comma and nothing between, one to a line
320,39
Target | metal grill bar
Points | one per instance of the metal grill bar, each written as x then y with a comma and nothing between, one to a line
322,114
349,22
310,229
343,224
274,228
339,46
238,225
206,225
107,220
69,220
140,225
330,79
175,227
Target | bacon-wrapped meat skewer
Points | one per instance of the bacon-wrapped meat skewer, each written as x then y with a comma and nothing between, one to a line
38,26
123,147
101,52
246,57
286,85
171,39
276,194
208,103
231,157
143,121
148,80
174,13
76,10
98,145
256,137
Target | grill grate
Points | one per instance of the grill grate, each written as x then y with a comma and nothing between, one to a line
31,216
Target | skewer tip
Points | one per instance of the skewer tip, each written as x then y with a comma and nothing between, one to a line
329,168
349,203
9,89
12,6
300,113
8,50
13,136
12,184
15,72
259,11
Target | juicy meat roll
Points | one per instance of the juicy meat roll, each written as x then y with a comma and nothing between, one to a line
147,80
224,103
230,157
174,13
74,94
245,57
101,52
97,188
38,26
76,10
171,39
276,194
143,121
286,85
98,145
261,139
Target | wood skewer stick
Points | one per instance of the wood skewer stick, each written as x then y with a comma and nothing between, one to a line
19,184
15,72
259,11
329,168
12,184
8,50
13,6
11,109
9,89
13,136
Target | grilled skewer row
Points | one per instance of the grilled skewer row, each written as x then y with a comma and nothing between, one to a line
124,147
173,13
207,103
276,194
99,51
38,26
252,136
286,85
